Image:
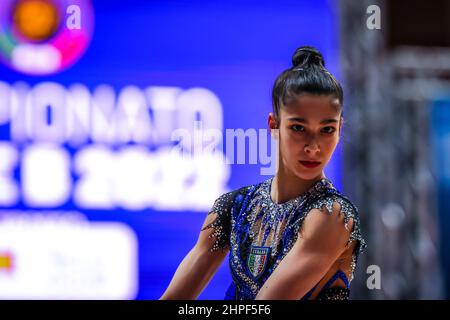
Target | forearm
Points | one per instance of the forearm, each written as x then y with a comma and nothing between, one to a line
292,285
193,274
299,273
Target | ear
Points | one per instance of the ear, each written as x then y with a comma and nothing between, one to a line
272,121
341,123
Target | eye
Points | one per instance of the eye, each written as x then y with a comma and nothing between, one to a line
298,128
328,130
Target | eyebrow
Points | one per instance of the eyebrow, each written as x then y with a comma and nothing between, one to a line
302,120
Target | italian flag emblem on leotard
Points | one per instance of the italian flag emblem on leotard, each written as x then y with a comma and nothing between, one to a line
257,260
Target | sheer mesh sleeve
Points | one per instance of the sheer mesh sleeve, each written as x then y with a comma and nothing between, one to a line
222,223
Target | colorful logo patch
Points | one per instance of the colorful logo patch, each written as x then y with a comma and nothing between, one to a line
6,261
257,260
41,37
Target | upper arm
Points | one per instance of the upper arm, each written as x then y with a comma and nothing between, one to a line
197,267
212,238
323,237
202,261
215,232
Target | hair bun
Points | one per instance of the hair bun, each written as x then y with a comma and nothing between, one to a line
307,56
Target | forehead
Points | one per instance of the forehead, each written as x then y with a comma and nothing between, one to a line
312,107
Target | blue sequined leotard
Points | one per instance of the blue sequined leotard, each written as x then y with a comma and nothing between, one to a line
260,232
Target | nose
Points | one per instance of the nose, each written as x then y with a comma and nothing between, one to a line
311,147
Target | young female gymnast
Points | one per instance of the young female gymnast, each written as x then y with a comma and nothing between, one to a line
293,236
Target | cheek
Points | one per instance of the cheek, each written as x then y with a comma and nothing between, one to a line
329,145
289,146
292,139
291,143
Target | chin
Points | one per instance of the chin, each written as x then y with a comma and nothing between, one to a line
304,173
308,174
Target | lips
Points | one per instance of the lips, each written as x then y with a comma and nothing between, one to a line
310,164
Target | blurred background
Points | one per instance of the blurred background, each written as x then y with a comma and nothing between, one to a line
102,104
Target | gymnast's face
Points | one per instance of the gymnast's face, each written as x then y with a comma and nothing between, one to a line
309,130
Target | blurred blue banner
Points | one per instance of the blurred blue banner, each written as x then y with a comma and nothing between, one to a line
441,155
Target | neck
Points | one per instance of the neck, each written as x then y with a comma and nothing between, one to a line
287,186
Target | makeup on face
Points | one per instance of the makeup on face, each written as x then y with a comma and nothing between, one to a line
310,164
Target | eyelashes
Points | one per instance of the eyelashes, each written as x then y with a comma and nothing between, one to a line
300,128
297,128
329,130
